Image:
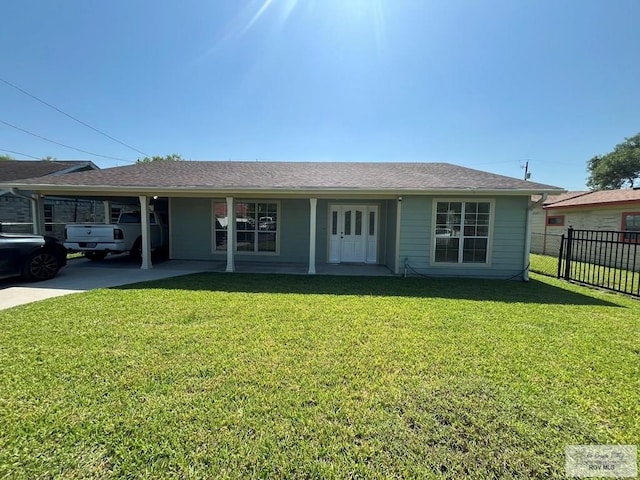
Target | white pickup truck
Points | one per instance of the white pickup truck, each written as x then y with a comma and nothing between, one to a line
96,240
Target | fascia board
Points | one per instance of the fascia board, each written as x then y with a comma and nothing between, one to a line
270,191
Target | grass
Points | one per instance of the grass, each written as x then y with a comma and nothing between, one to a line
543,264
600,275
239,376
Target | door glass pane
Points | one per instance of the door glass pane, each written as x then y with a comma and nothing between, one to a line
372,223
334,223
347,222
358,222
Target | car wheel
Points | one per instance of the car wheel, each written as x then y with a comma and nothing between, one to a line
41,266
95,255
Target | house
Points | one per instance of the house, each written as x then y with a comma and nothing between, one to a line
605,210
545,240
436,218
16,212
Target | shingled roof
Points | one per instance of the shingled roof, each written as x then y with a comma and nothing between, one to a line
600,198
20,169
561,197
288,177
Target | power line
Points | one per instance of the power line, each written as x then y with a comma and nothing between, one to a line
72,117
19,153
63,145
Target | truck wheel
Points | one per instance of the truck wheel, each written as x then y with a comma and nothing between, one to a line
98,255
136,250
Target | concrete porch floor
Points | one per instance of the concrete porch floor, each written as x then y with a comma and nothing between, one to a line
302,269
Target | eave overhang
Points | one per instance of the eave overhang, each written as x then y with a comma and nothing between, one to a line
302,192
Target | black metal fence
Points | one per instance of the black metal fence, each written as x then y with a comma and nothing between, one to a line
605,259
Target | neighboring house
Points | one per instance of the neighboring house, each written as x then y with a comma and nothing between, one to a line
612,210
439,219
546,240
16,213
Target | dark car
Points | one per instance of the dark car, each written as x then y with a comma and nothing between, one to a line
34,257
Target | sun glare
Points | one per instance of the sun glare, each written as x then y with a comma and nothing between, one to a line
357,17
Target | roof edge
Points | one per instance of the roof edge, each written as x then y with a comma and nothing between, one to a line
174,191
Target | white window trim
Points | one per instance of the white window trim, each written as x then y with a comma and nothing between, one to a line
432,237
244,252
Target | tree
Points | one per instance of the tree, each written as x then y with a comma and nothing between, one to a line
617,169
6,157
49,159
174,157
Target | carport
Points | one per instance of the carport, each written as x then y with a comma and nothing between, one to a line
141,202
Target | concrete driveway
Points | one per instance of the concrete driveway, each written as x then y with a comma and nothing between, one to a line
81,275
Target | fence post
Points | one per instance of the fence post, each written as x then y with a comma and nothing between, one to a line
560,256
567,262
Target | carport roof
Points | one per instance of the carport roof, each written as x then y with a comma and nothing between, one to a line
174,177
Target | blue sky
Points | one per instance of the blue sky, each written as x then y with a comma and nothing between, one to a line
485,84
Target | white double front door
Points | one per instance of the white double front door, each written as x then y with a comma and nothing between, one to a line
353,233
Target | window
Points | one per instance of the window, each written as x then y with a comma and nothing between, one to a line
631,227
555,220
48,217
462,232
256,226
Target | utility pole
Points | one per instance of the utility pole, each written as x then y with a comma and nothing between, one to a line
527,175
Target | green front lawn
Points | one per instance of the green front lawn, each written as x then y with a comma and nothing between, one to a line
231,375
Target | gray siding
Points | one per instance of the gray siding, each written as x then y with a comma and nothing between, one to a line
388,253
191,232
322,232
386,228
191,224
294,233
191,235
507,240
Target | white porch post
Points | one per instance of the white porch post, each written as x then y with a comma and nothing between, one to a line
313,204
231,235
146,234
37,213
107,212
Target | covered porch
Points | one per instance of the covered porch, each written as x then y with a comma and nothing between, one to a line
297,234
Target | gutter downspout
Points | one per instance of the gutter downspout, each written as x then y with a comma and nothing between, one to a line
527,238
